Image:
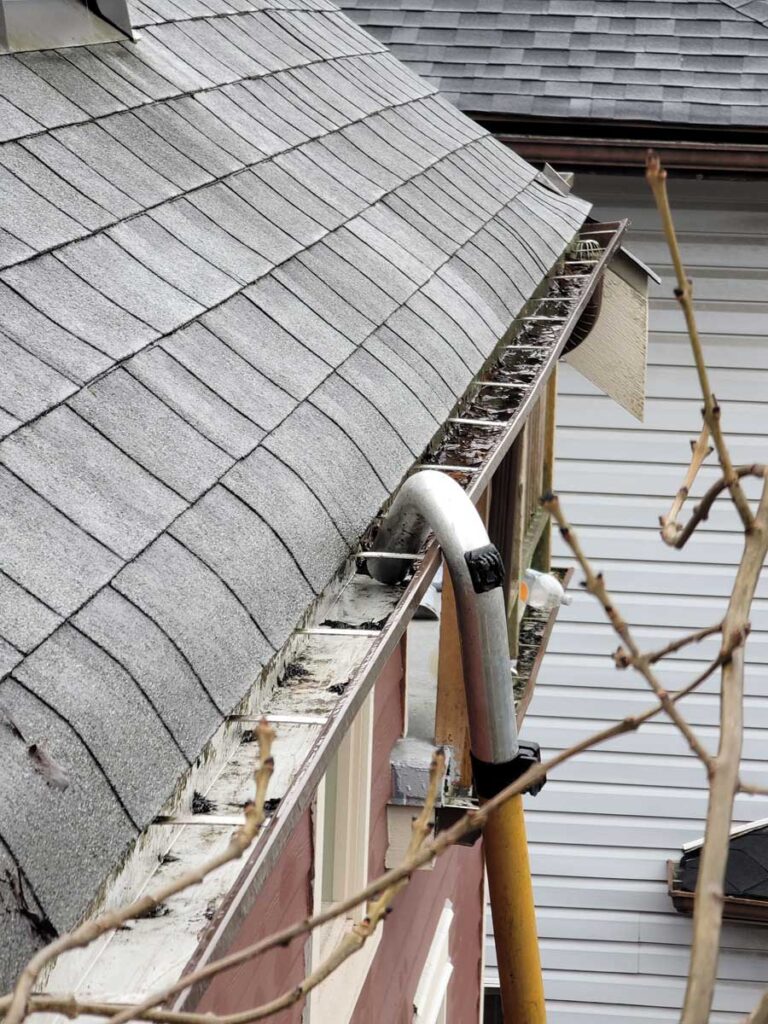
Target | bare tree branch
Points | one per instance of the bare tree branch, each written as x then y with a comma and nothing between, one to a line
656,177
67,1005
708,906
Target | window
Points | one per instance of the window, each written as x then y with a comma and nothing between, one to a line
430,1004
341,866
43,24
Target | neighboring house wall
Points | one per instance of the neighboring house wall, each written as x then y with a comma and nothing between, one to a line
603,828
387,995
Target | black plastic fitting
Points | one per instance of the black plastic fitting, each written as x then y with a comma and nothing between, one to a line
490,779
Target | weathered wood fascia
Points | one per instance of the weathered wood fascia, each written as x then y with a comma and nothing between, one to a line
242,896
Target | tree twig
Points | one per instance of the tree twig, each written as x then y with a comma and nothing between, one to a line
89,931
656,177
596,586
701,511
624,659
670,528
751,790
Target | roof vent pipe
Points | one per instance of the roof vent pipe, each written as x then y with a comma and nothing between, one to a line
430,500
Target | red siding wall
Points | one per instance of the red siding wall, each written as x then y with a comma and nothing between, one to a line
387,997
285,898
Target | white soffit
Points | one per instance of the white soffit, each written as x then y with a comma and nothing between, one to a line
613,355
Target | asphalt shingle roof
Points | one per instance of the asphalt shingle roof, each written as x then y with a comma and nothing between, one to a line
245,273
674,61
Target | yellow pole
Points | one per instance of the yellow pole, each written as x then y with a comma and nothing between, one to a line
514,915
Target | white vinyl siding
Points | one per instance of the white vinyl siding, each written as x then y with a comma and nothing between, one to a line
613,948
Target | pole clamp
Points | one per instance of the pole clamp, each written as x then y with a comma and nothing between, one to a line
490,779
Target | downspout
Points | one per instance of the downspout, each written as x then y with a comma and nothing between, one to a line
430,500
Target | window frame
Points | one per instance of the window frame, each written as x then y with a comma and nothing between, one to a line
344,834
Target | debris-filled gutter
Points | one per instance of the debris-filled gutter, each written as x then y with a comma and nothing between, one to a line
471,448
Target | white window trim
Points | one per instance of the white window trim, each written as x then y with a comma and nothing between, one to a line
334,1001
430,1000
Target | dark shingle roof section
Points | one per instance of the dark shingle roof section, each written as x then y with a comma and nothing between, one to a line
250,263
703,63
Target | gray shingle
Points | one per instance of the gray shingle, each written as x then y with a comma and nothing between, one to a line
267,202
128,283
401,406
300,320
12,249
32,219
21,941
206,34
269,348
14,123
35,97
141,647
173,38
92,830
8,423
24,620
153,150
86,60
359,417
125,60
46,553
282,499
68,80
167,122
438,339
246,553
198,115
229,375
106,708
504,60
413,368
127,172
28,386
307,165
77,307
380,270
227,209
195,402
210,241
325,458
201,615
162,253
51,186
91,481
142,426
39,335
336,312
87,180
361,292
